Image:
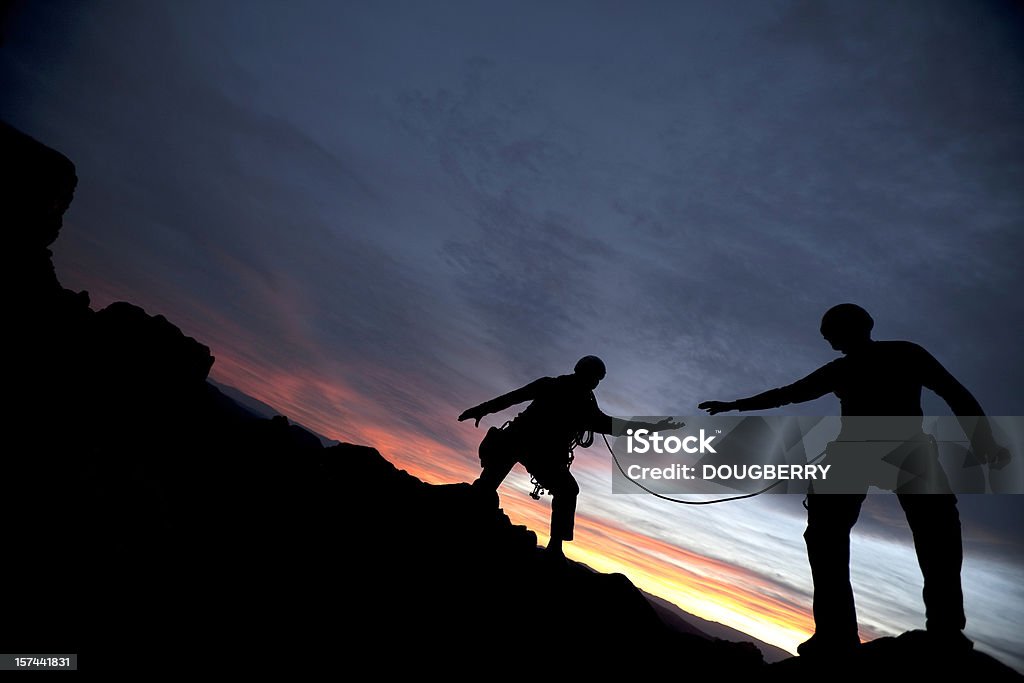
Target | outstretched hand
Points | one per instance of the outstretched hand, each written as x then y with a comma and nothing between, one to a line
470,415
715,407
668,424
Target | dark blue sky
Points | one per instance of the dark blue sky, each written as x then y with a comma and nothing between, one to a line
379,213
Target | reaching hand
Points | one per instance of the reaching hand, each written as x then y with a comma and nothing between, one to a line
715,407
470,415
668,424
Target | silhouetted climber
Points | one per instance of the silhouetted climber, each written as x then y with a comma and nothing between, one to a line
563,414
880,378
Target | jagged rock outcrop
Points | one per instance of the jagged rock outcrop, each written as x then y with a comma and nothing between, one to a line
139,488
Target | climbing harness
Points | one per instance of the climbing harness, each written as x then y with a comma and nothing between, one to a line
584,439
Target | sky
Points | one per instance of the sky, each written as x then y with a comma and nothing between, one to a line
379,214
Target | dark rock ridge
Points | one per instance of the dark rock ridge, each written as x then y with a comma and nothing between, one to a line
912,656
151,518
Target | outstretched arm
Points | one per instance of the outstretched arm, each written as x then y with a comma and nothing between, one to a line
617,427
667,425
814,385
496,405
606,424
967,409
600,423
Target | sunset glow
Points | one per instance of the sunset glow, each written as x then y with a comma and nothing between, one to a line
707,588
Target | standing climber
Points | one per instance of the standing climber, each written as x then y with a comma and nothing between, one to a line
881,378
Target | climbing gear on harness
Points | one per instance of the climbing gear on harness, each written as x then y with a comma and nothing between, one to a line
584,439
